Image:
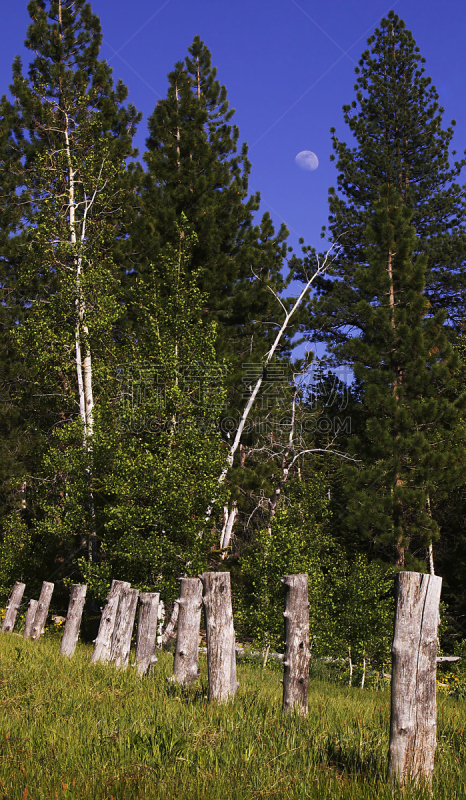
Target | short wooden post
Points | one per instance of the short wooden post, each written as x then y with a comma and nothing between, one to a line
221,658
12,607
147,631
29,621
73,619
297,651
185,666
103,641
413,724
124,624
42,610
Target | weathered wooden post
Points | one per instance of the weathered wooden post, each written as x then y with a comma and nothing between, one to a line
29,621
297,651
103,641
221,656
73,619
185,666
42,610
413,724
147,631
123,630
12,607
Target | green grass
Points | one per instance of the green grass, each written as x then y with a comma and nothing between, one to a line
70,730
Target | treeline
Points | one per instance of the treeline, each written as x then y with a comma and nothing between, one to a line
139,303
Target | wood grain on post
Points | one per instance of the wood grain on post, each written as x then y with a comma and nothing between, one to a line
413,724
147,631
29,621
103,642
221,656
185,666
42,610
297,651
12,607
123,630
73,619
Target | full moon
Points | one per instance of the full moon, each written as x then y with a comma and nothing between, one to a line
306,159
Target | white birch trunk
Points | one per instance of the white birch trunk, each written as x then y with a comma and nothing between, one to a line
413,725
297,651
73,619
321,268
147,632
42,610
103,641
185,665
12,607
221,655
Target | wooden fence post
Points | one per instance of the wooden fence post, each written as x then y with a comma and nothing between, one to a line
123,630
42,610
29,621
12,607
221,656
185,665
297,651
103,641
413,724
73,619
147,631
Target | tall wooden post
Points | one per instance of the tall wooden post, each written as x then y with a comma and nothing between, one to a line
29,621
123,630
42,610
185,666
12,607
147,631
103,641
73,619
413,725
221,658
297,651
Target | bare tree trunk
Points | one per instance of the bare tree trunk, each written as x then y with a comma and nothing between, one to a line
29,622
170,625
103,641
413,725
147,631
42,610
185,666
124,624
221,656
12,607
73,619
297,651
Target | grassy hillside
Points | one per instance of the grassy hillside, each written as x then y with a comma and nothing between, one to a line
69,730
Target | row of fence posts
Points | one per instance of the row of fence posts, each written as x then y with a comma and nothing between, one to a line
414,652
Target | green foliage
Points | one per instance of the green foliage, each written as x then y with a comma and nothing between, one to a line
293,544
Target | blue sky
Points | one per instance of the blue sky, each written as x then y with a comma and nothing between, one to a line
288,67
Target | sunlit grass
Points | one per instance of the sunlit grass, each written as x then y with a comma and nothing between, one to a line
69,730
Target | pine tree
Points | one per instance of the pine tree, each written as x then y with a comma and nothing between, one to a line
396,122
70,135
196,168
413,447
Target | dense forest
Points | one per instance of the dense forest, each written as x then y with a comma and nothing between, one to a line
153,421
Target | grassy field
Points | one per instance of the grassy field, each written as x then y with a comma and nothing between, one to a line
69,730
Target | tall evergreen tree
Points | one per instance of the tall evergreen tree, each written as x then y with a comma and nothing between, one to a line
71,135
413,446
396,122
195,167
